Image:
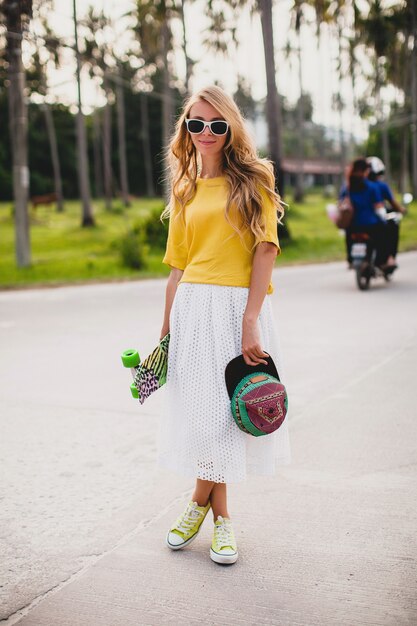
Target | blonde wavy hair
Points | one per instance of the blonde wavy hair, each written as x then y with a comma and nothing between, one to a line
245,172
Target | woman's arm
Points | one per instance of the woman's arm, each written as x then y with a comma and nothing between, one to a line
397,206
389,196
171,288
263,263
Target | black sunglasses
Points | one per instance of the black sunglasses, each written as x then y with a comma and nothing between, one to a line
217,127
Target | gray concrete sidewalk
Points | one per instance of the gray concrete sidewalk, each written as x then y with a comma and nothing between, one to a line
329,540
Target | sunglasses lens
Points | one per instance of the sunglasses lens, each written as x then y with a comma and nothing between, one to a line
195,126
219,128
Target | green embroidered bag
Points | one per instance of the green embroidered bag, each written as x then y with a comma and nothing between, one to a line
259,400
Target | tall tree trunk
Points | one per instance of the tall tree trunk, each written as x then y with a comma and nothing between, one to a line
188,62
50,128
340,104
299,187
382,121
273,103
18,133
167,103
108,175
146,143
414,97
98,170
386,149
83,170
355,104
404,165
121,131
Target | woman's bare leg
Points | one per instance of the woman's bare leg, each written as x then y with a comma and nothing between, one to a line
218,499
202,491
206,490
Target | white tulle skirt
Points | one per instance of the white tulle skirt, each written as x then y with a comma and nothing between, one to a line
198,436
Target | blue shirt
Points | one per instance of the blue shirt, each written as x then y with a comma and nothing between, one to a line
363,203
385,190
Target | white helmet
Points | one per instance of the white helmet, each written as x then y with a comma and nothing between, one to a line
377,166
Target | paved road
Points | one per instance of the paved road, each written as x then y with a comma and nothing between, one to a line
331,539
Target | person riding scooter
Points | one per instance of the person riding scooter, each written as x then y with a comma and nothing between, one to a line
366,199
376,175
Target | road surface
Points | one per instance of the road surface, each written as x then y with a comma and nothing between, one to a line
331,539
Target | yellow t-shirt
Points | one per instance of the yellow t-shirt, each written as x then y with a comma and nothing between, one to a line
206,247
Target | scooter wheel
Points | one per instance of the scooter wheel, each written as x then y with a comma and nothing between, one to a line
130,358
363,278
134,391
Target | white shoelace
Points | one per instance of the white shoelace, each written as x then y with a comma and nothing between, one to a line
224,532
188,519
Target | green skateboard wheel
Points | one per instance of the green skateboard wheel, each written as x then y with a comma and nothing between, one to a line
130,358
134,391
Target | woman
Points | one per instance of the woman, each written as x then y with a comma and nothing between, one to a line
221,247
366,199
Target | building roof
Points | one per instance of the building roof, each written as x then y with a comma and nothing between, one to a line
311,166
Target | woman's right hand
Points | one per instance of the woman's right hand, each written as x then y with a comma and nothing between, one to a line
251,346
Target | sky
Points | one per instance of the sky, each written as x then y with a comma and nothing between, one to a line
318,69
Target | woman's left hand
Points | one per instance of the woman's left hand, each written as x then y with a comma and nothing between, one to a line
251,346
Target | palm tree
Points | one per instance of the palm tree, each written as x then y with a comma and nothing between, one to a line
153,31
340,25
17,16
52,46
189,63
402,72
53,146
411,6
299,188
107,142
98,166
337,15
103,65
121,133
401,69
83,169
98,56
377,33
221,36
273,101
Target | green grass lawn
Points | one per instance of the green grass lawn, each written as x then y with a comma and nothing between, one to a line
63,252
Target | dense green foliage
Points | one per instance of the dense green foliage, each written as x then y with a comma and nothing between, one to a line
40,165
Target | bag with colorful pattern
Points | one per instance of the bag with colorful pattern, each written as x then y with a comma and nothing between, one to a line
259,400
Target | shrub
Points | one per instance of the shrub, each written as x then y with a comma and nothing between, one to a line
133,249
156,232
117,207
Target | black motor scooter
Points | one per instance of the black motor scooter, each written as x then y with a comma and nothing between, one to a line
363,251
363,254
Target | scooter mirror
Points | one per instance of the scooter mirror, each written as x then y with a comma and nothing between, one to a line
407,198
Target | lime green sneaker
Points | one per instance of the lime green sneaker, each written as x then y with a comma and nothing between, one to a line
187,525
223,548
